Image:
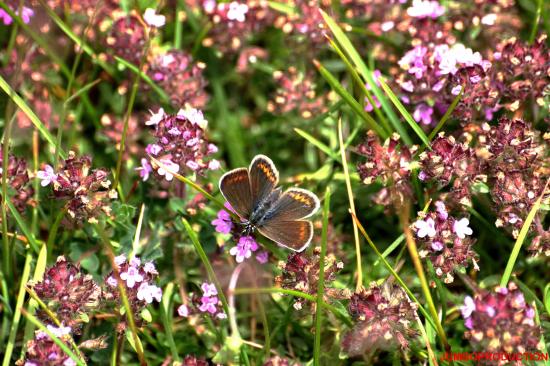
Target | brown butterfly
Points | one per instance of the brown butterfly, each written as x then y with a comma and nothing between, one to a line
261,205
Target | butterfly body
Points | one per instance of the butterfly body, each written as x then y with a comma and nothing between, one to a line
261,205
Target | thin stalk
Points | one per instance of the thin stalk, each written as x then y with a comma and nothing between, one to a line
54,228
5,160
413,251
321,283
359,283
536,21
19,304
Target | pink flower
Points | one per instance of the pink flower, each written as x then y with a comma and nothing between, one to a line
223,222
148,292
262,257
145,169
171,168
131,276
214,164
155,117
194,116
153,19
149,267
425,228
153,149
423,113
183,311
461,228
468,308
111,281
441,210
244,248
120,260
208,289
60,331
208,304
237,11
47,176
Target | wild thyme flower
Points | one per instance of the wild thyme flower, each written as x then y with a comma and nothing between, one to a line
20,192
127,38
112,127
181,78
233,23
296,92
301,272
85,191
153,19
139,282
391,163
181,145
517,158
223,223
306,24
207,303
194,361
446,241
244,248
43,351
501,321
68,293
454,163
384,318
26,13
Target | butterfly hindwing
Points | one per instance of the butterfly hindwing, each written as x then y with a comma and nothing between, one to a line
294,235
264,177
295,204
235,188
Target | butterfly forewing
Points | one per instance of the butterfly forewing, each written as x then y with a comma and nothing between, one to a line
295,204
294,235
264,177
235,188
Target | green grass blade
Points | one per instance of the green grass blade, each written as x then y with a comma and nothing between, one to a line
82,90
364,71
348,98
391,248
318,144
447,115
401,108
21,223
321,283
521,238
536,21
29,112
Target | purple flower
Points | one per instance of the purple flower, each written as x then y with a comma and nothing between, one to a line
171,168
120,260
144,170
155,117
60,331
208,304
148,292
131,276
26,14
47,176
468,308
425,9
149,267
423,113
437,246
262,257
208,289
153,149
441,210
194,116
425,228
183,311
223,222
111,281
461,228
244,248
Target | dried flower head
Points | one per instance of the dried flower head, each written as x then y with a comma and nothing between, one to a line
20,192
451,162
296,92
181,144
391,163
501,321
126,39
43,351
85,191
446,241
383,316
516,159
181,78
68,293
301,273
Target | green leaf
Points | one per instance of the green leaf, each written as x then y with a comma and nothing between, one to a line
318,144
146,315
547,298
447,115
397,103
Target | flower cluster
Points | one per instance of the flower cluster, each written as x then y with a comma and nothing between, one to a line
516,158
85,191
296,92
383,316
391,163
454,163
68,293
194,361
234,22
180,77
43,351
445,241
26,13
381,15
17,179
501,321
126,39
301,272
181,144
138,280
207,303
428,78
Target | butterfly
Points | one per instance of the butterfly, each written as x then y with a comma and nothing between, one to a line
261,205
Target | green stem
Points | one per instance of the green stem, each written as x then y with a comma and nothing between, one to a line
321,283
536,21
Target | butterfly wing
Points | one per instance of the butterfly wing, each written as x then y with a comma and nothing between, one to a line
294,235
264,177
295,204
235,188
